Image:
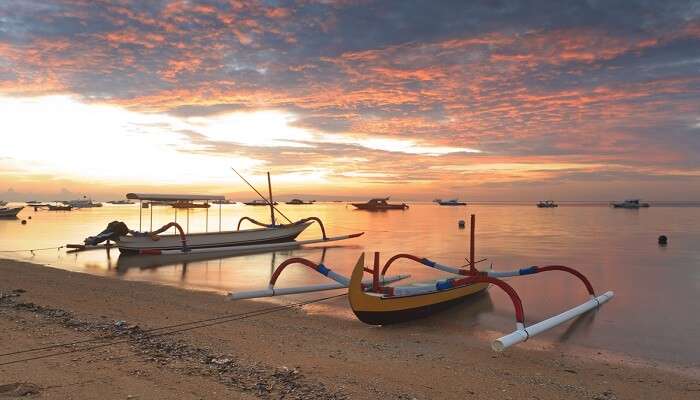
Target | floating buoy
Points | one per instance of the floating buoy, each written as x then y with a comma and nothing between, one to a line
29,217
663,240
461,224
24,222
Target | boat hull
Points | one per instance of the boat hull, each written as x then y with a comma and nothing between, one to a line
369,207
10,212
453,204
375,309
139,244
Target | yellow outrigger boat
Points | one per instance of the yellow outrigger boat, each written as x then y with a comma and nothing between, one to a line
375,302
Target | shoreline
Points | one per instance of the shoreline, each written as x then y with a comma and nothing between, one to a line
295,353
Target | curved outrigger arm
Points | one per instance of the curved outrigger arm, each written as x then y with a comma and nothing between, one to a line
521,333
340,281
301,221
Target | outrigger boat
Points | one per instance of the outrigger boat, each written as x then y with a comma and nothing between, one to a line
267,237
6,212
380,304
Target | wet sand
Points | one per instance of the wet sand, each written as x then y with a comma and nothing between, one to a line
295,353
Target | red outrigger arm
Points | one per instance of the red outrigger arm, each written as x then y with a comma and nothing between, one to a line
340,281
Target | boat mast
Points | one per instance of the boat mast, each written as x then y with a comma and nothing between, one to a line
272,207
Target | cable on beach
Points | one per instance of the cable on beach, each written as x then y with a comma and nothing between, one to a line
32,250
212,322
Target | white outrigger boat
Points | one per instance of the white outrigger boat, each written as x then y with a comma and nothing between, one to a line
267,237
6,212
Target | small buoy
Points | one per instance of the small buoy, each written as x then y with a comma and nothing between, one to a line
461,223
29,217
663,240
24,222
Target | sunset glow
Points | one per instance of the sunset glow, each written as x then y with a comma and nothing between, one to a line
466,101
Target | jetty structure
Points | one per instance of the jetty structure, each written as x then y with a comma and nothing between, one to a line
380,304
265,237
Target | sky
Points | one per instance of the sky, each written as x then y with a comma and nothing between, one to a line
493,100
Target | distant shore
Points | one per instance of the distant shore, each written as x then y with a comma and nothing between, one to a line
295,353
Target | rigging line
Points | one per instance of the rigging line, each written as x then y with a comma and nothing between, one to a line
31,250
263,197
221,320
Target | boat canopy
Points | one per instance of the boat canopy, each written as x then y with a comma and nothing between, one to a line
172,197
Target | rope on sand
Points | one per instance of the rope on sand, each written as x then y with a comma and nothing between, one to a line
204,323
32,250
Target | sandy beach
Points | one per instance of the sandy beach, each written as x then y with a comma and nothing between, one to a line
293,353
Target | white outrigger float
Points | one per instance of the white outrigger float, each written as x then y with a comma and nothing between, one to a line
268,237
376,303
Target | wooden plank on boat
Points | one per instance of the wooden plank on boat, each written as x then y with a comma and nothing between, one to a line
74,248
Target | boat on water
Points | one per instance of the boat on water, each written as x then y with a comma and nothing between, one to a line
259,203
6,212
189,204
451,202
375,302
120,202
299,202
547,204
379,204
82,203
264,237
225,201
631,204
53,207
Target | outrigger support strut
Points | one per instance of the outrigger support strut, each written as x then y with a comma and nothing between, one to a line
340,281
301,221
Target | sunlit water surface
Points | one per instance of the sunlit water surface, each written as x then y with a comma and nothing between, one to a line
654,315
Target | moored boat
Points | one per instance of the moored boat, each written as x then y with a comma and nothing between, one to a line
265,238
82,203
377,303
299,202
6,212
631,204
547,204
258,203
189,204
451,202
379,204
52,207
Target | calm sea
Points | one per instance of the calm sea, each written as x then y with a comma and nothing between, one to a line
655,314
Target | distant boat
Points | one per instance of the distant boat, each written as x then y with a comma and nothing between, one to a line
52,207
547,204
10,212
299,202
119,202
33,202
189,204
631,203
83,203
451,202
224,202
258,203
3,203
379,204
